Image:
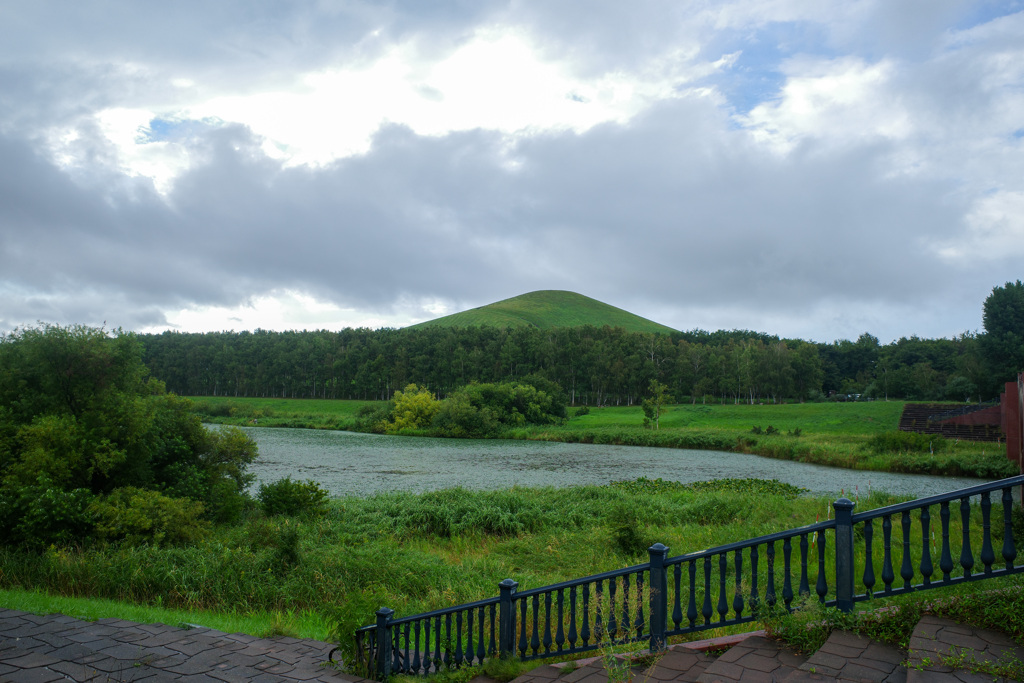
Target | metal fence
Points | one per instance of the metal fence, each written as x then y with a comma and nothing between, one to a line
713,588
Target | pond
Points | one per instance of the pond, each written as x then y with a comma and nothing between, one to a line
349,463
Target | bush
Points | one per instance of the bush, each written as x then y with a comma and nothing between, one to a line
629,534
287,497
907,442
138,516
43,514
582,410
286,555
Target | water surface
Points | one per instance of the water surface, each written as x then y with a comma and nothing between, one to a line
350,463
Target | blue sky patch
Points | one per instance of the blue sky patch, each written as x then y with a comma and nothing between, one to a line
163,130
756,76
983,12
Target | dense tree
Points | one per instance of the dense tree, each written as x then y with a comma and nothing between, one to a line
1003,342
590,365
80,418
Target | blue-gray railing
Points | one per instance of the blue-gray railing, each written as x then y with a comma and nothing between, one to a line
712,588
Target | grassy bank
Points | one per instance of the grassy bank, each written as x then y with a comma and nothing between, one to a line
412,552
836,434
322,576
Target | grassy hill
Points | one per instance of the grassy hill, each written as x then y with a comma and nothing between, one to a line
547,309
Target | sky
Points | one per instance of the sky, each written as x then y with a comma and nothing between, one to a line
814,170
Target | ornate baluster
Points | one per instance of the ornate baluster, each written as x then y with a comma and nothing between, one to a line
547,622
481,652
572,618
677,607
946,559
625,623
458,639
1009,550
804,588
869,563
966,556
821,587
887,572
599,625
926,550
706,607
416,649
906,568
769,593
426,647
787,581
737,597
438,660
396,649
988,556
613,626
691,603
723,570
405,658
448,640
469,637
492,646
585,631
641,620
754,597
522,628
535,640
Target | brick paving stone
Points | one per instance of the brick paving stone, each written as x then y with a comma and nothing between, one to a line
755,659
32,676
31,660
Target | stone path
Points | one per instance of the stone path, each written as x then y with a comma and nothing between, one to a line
60,648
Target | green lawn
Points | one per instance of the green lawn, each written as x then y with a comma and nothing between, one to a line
834,419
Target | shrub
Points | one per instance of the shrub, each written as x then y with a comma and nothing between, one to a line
629,534
286,555
43,514
138,516
582,410
907,442
287,497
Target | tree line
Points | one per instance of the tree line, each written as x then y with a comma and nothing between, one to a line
593,366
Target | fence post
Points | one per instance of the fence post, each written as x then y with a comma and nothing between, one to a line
506,619
844,554
659,597
384,644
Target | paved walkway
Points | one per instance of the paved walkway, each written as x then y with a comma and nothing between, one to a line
60,648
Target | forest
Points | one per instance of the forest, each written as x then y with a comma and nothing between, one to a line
597,365
593,366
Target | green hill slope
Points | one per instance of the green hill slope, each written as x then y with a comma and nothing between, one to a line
547,309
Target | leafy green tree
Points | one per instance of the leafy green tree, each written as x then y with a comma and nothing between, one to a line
414,409
78,413
1002,345
652,406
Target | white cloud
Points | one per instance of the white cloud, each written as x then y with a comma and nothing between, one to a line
995,231
498,79
839,101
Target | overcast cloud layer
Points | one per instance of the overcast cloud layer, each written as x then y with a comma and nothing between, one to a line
808,169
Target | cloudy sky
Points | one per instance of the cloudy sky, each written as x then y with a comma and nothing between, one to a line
812,169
